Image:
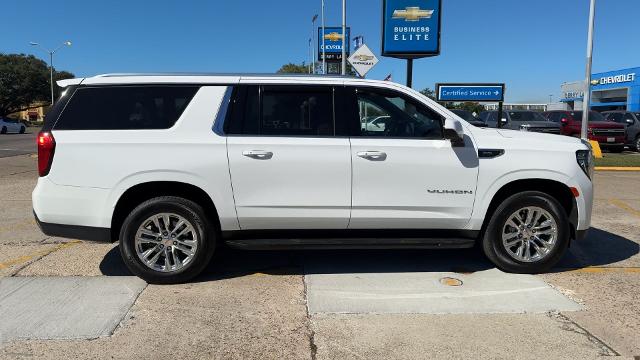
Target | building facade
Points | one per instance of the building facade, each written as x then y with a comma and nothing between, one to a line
612,90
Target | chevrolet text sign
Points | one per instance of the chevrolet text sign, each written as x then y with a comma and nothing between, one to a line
411,28
331,42
470,92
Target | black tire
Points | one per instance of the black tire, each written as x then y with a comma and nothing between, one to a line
616,149
492,240
193,213
3,130
22,130
636,143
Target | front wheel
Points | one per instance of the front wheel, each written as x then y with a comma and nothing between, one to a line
167,240
22,130
3,130
528,233
637,144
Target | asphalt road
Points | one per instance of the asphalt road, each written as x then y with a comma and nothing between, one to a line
18,144
61,298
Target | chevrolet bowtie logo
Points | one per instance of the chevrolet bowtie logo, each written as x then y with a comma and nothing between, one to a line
595,82
363,57
412,13
334,36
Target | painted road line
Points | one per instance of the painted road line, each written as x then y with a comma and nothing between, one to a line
604,270
617,168
624,206
37,254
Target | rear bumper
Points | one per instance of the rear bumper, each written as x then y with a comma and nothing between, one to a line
74,231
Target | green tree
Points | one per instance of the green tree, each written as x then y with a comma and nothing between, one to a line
471,106
24,80
428,92
292,68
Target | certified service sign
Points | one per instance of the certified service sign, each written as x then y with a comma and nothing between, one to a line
411,28
363,60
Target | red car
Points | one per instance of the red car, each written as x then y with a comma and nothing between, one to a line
608,134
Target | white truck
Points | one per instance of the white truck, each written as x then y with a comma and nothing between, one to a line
175,166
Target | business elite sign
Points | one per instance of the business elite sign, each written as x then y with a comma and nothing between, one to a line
331,43
411,28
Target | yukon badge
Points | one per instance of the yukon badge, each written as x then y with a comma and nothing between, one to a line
454,192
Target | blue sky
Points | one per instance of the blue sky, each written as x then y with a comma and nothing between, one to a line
532,46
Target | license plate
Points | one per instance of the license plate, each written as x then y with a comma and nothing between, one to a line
611,139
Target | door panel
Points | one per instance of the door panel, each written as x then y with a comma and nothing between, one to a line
304,184
408,175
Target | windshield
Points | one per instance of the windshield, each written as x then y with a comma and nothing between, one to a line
526,116
593,116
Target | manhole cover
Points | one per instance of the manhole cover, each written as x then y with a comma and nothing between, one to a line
449,281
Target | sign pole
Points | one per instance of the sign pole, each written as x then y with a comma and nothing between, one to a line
344,37
409,72
586,106
499,125
324,62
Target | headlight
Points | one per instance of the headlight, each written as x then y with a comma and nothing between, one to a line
585,160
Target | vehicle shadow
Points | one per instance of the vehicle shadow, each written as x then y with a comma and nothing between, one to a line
598,249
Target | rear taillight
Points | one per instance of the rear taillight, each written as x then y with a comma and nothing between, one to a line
46,148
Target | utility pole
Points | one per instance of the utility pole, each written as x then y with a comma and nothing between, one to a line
344,37
586,106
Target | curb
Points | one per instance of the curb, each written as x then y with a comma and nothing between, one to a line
617,168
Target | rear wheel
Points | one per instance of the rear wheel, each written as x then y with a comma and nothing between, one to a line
637,143
167,240
3,130
528,233
22,130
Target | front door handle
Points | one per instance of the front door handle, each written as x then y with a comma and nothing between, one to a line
373,155
258,154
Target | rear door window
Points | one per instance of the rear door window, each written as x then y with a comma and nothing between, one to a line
125,107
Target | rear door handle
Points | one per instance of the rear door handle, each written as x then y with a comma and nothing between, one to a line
373,155
258,154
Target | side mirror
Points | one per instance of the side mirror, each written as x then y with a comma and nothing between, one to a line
454,132
503,120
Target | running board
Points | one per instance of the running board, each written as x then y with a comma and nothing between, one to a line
351,243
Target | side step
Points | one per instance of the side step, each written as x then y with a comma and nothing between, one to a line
351,243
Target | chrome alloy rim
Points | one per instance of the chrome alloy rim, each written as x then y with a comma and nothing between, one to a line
166,242
530,234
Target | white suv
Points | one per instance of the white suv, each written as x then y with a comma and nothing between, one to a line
174,166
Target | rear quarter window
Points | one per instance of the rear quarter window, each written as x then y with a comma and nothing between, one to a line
125,107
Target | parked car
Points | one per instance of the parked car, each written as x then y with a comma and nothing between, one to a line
521,120
608,134
11,126
376,123
631,121
468,117
176,166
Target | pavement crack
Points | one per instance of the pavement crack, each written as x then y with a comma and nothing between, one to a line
569,325
313,348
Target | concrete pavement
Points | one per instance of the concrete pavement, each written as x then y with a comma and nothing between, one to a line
261,304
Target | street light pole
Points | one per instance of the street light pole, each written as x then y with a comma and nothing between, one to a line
324,62
313,50
586,106
51,52
344,37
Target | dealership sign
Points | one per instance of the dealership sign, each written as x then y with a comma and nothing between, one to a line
331,43
363,60
411,28
616,79
470,92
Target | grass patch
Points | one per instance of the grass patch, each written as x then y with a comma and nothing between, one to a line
627,159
